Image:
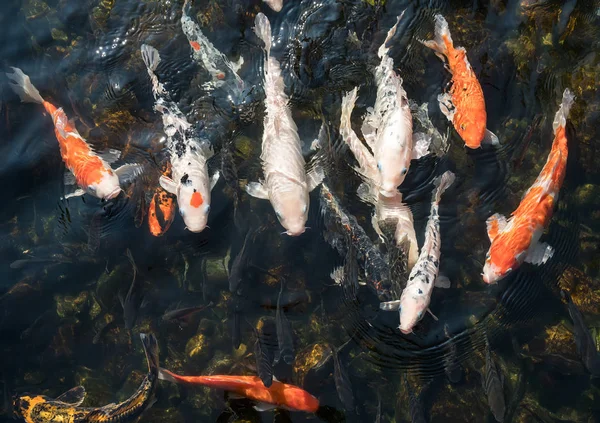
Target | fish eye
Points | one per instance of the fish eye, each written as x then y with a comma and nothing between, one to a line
279,216
463,126
488,255
404,171
181,212
419,315
207,209
509,270
379,166
91,188
304,209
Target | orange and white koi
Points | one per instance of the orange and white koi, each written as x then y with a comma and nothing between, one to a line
416,297
190,181
278,395
388,127
516,240
91,171
386,207
220,68
287,184
464,104
161,211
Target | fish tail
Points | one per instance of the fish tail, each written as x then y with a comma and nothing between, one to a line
442,183
22,86
150,56
442,35
383,50
561,116
164,374
151,350
262,27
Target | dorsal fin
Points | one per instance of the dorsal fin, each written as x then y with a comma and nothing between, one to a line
74,396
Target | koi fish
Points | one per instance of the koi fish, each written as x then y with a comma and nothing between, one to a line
161,211
416,296
386,207
287,184
464,104
278,395
91,171
190,181
388,127
221,70
493,385
516,240
67,407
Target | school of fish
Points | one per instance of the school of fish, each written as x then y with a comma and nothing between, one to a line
384,149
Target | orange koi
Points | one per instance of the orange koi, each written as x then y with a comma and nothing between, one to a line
464,104
517,239
278,395
92,172
161,211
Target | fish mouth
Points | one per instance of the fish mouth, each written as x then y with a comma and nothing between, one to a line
405,331
295,233
113,194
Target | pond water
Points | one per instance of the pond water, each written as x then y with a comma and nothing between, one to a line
82,277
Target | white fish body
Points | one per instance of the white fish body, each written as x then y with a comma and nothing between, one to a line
286,183
190,180
415,298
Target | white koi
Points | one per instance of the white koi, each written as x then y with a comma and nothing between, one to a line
416,297
286,184
189,180
388,126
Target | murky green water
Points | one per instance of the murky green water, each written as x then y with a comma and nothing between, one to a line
64,270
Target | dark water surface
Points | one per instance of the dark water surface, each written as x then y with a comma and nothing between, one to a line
64,267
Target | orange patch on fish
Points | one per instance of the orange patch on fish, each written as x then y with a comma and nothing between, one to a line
195,45
221,76
196,200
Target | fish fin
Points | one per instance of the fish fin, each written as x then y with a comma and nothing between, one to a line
150,56
365,159
168,184
128,172
438,44
490,138
443,183
432,315
77,193
214,179
364,193
495,225
337,275
22,86
563,112
263,406
73,396
539,254
377,228
421,143
234,396
442,281
314,177
383,50
100,414
110,156
69,178
257,190
164,374
390,305
262,28
446,105
150,345
322,137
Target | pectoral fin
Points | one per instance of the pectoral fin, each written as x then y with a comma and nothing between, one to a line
390,305
257,190
74,396
110,156
495,225
263,406
77,193
128,172
490,138
168,184
421,143
214,179
69,178
539,254
314,177
442,281
446,106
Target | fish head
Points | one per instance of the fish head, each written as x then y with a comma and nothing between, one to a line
22,405
107,187
471,133
498,264
194,205
291,209
413,306
392,172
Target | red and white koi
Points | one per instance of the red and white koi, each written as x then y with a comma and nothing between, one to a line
416,297
388,126
464,104
190,180
516,240
386,207
286,184
221,70
91,171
